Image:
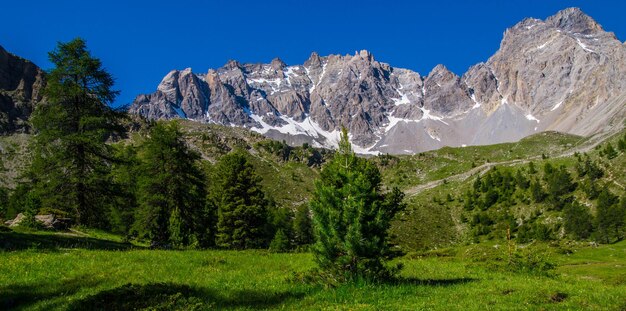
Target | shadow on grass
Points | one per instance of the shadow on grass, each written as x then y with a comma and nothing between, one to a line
169,296
431,282
14,241
18,296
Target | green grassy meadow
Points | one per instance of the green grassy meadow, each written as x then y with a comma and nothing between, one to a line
48,271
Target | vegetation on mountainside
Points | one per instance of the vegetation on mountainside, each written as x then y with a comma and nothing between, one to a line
408,171
544,199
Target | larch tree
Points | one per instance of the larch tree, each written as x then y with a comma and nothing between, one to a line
71,164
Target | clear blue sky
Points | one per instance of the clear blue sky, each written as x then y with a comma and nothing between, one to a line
140,41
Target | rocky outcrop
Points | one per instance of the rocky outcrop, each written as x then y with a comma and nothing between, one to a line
48,221
21,88
564,73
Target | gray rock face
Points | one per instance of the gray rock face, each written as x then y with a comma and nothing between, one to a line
21,87
565,73
49,221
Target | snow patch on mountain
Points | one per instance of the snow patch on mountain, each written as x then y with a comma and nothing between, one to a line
530,117
404,99
476,103
582,45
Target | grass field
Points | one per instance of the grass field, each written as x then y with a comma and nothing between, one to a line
46,271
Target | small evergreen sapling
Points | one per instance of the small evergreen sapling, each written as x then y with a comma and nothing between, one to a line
351,217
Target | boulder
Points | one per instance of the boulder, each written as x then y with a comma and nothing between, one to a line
16,221
49,221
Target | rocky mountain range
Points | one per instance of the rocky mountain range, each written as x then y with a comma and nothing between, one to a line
21,87
564,73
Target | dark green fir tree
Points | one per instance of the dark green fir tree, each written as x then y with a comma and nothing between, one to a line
241,204
303,226
608,220
577,220
171,189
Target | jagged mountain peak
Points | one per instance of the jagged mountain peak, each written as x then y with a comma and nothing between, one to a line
278,64
441,72
563,73
574,20
232,64
314,60
365,54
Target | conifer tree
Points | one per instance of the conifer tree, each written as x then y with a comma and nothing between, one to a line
606,220
125,174
618,214
594,171
559,183
303,226
590,188
536,191
577,220
280,242
171,188
521,180
610,152
531,168
478,184
241,204
71,164
351,217
621,144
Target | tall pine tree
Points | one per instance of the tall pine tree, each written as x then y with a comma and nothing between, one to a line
71,164
608,221
125,174
171,189
577,220
241,205
351,217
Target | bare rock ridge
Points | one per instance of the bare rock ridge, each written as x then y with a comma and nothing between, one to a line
564,73
21,87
